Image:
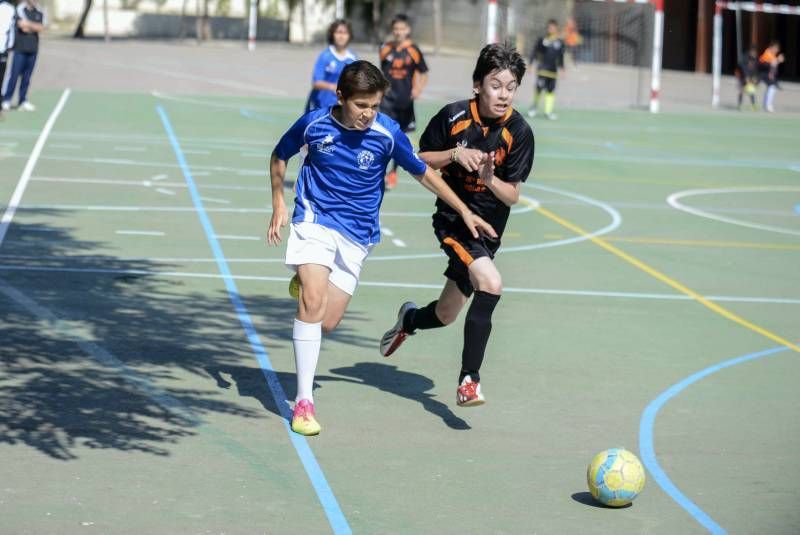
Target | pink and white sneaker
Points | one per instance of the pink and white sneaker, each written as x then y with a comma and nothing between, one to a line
469,393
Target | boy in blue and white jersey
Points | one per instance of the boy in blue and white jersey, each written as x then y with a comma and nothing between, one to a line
335,224
329,65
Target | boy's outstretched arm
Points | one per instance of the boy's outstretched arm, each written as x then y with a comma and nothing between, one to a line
280,216
433,182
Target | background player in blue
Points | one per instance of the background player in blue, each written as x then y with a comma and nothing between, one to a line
329,65
335,224
484,149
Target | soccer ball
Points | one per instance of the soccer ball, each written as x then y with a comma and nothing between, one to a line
615,477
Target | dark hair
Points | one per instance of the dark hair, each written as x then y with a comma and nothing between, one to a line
401,17
335,26
361,77
498,57
774,42
552,21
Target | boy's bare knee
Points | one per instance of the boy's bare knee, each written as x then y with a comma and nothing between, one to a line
328,326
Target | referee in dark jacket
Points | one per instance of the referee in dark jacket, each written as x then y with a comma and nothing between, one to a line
30,22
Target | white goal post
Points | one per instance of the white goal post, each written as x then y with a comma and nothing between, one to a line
752,7
658,41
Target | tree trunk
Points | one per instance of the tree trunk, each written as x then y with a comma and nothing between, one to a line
87,6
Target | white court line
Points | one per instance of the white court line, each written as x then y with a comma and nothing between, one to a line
413,285
165,191
398,242
129,149
212,199
386,231
673,200
141,163
233,237
141,232
169,72
16,197
234,106
159,177
70,146
121,208
196,151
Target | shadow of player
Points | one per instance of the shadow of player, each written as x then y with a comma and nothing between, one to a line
408,385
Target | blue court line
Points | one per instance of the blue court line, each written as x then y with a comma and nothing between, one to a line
334,513
647,450
797,209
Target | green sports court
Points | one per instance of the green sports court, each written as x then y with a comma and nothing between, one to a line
652,301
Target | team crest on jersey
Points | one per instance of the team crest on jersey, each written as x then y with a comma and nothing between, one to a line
365,159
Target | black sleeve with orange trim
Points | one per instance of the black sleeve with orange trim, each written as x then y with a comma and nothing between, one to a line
519,162
418,58
436,137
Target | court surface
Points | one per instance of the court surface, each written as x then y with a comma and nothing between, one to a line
146,333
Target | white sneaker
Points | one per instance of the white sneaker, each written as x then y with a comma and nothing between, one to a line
26,106
6,106
551,116
532,112
469,393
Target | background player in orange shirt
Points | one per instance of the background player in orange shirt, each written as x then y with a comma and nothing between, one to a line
770,59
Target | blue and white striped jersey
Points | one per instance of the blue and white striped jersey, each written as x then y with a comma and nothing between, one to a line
341,181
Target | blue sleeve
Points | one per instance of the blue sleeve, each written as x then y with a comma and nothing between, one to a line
293,139
319,68
405,156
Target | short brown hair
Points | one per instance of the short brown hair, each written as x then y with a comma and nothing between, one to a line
335,26
361,77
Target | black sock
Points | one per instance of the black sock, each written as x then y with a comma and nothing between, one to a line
477,328
422,318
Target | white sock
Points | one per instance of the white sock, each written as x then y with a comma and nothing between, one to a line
769,96
307,338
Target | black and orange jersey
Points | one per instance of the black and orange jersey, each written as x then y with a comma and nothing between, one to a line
549,56
400,63
511,139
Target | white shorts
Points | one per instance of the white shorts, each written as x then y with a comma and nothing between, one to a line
310,243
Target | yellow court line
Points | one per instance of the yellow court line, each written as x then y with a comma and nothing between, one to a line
707,243
669,281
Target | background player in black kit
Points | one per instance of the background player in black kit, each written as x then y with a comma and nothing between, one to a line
548,54
404,66
484,149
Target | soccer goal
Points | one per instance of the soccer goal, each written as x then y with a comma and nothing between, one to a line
716,60
624,33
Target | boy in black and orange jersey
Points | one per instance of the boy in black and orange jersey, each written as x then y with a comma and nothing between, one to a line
404,66
484,149
747,72
548,54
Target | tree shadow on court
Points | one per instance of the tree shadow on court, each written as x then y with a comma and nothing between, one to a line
99,352
386,378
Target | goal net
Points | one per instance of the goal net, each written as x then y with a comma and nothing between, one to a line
728,47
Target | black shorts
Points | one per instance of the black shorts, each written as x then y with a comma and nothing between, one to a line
403,114
461,250
545,83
